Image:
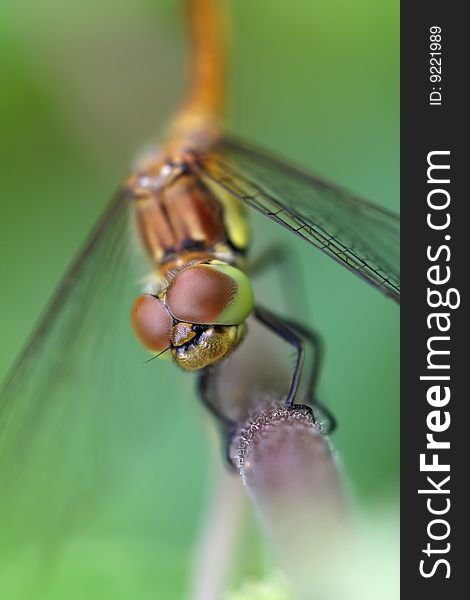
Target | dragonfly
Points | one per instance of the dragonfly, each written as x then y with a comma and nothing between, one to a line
189,199
188,202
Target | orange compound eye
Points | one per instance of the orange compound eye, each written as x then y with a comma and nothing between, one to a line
151,322
215,294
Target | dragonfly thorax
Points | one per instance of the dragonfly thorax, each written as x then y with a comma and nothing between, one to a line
176,212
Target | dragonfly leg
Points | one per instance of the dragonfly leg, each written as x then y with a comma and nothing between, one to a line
281,328
287,265
229,426
270,257
296,334
319,351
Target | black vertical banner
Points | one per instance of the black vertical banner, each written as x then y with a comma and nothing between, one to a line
435,353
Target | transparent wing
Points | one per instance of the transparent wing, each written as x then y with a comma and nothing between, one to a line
79,409
359,235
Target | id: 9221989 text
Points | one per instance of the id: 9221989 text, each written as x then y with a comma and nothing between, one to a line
435,65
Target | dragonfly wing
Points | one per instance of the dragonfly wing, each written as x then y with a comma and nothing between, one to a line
76,409
359,235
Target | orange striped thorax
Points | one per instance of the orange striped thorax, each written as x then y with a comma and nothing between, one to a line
178,216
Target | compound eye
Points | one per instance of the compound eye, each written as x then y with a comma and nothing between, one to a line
151,322
210,294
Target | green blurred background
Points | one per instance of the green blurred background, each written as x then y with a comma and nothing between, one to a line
85,85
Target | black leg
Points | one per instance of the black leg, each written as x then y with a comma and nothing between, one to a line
204,389
281,328
286,264
317,344
229,426
296,334
274,256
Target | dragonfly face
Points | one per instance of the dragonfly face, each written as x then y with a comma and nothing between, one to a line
200,316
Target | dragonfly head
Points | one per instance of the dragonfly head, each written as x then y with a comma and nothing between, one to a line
200,317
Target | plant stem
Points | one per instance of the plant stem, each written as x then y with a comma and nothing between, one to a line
218,537
287,465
